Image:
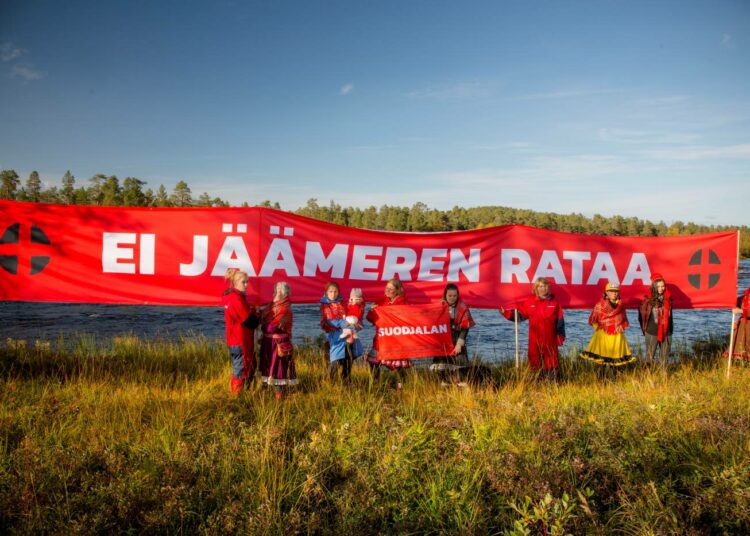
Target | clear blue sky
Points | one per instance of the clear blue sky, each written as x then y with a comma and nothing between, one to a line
638,108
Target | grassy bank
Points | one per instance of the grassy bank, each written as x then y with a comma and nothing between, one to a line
142,436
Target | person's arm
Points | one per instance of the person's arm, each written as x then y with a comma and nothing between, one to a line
252,321
594,317
560,326
510,314
460,341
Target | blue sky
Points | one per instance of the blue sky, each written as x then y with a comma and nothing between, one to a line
638,108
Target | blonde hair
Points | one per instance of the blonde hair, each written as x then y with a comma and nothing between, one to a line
232,275
537,283
355,292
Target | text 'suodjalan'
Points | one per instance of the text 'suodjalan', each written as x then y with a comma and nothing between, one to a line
179,256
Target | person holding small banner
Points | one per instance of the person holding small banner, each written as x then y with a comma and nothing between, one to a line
394,295
448,366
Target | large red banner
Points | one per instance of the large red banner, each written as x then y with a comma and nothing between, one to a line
177,256
412,331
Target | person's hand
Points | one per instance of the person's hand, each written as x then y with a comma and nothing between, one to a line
502,310
737,311
618,329
595,326
457,348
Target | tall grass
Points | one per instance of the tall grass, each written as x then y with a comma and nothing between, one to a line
142,436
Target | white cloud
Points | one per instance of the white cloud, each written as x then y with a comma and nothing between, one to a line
9,52
346,89
26,73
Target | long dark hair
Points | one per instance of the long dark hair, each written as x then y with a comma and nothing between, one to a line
451,286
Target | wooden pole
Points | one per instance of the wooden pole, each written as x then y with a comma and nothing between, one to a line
515,315
731,347
731,333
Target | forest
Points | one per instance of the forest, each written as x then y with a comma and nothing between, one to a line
108,190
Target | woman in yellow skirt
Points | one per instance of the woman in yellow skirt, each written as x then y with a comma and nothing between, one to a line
608,346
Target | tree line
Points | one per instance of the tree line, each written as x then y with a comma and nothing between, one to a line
102,190
107,190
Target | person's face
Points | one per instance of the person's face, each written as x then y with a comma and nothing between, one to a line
660,287
241,284
332,293
279,295
612,295
451,296
542,289
390,291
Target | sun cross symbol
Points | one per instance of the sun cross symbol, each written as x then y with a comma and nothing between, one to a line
24,249
706,266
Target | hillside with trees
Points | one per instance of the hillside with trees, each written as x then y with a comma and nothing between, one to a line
107,190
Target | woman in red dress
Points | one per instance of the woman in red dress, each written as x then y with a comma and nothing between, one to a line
277,353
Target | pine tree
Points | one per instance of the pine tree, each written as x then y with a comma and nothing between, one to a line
33,187
111,192
162,199
204,200
8,184
181,195
132,194
95,194
68,193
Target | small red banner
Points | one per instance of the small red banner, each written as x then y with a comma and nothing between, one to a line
413,331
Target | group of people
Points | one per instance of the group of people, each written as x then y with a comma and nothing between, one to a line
340,321
275,319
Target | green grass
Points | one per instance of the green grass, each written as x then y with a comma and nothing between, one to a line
142,436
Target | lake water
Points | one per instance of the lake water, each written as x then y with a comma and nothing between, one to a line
492,338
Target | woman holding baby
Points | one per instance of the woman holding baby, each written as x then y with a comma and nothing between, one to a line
340,321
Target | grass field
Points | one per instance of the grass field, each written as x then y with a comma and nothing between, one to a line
137,436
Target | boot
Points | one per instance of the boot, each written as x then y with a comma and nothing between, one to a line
235,386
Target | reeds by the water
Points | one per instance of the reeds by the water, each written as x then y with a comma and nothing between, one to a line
142,436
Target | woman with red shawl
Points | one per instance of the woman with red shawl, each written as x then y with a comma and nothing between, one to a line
741,347
655,318
394,295
608,346
241,321
277,359
448,366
